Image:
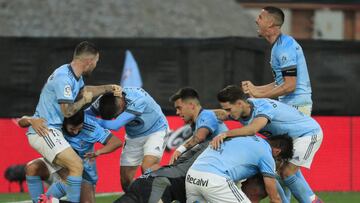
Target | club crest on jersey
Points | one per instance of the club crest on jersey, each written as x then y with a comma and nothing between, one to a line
67,91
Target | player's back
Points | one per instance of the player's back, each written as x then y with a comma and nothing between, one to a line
285,53
62,86
283,119
149,116
237,159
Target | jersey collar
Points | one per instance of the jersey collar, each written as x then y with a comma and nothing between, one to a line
72,71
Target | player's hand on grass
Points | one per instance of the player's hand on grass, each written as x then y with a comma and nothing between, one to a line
217,141
39,125
174,157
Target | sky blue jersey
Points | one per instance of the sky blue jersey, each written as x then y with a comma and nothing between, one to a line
238,158
207,119
287,59
282,119
61,87
82,143
149,117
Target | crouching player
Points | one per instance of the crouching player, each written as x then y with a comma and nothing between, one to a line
213,175
82,133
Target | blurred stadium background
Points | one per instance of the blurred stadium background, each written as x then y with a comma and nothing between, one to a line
206,44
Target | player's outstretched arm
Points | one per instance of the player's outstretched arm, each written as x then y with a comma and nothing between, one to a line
270,187
255,126
112,144
116,124
69,109
103,89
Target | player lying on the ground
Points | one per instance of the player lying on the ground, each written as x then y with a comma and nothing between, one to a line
145,125
212,176
168,183
270,117
82,133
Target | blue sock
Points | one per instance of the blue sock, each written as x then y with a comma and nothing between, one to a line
73,188
35,187
56,190
300,176
299,188
281,192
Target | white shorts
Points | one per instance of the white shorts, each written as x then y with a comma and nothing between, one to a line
135,149
305,149
305,109
49,146
208,187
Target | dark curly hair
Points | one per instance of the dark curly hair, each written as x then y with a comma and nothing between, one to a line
285,143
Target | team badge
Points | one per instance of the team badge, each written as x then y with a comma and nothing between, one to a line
67,91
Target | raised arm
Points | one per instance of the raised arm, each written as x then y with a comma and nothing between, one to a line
103,89
116,124
285,88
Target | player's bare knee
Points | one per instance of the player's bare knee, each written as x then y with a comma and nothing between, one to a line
289,170
149,162
36,168
32,169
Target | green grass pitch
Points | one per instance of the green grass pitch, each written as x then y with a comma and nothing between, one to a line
328,197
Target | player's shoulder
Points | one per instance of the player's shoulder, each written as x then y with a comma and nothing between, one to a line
207,114
90,126
262,103
64,72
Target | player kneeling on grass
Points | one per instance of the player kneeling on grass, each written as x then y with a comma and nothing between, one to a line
167,184
213,175
82,133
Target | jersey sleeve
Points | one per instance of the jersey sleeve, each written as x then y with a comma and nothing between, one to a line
267,166
266,109
93,109
136,107
117,123
287,57
207,120
63,89
99,134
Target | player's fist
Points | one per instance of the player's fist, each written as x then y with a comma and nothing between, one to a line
247,86
116,90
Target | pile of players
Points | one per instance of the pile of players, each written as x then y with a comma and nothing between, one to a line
214,165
